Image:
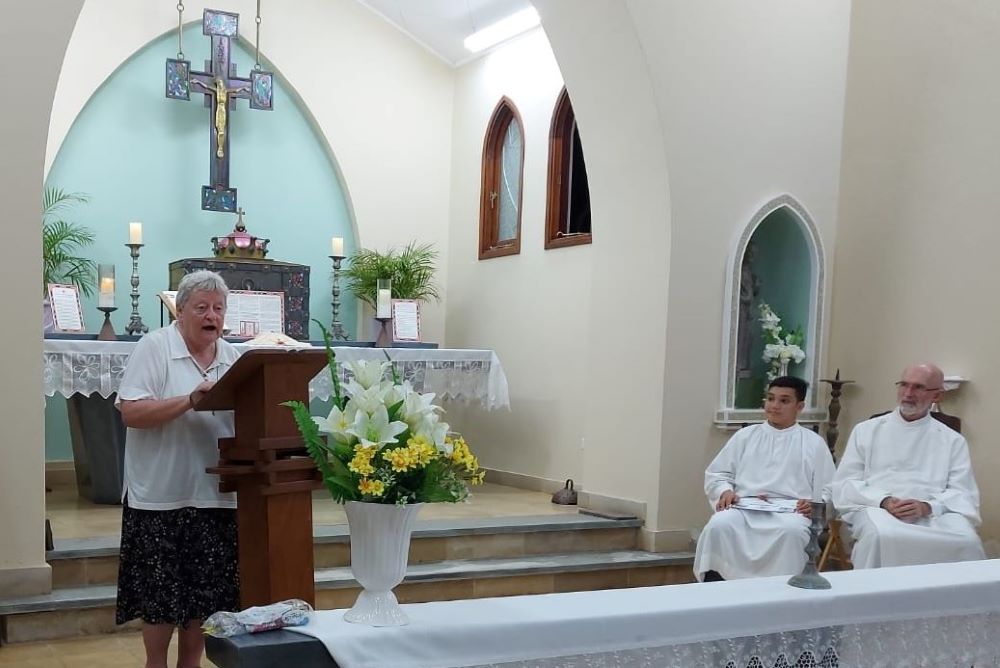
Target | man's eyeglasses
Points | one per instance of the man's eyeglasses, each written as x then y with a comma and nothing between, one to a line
916,387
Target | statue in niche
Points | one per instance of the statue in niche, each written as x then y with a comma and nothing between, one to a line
749,289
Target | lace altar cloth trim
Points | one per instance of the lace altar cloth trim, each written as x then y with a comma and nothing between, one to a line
88,367
939,642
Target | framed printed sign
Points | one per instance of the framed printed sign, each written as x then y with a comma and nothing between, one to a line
67,314
405,320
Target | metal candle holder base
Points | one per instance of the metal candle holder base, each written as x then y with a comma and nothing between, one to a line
336,327
107,329
384,336
810,578
135,324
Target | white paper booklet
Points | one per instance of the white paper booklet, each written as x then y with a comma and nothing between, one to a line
769,506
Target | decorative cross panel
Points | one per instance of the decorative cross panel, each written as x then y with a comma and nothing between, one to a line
221,88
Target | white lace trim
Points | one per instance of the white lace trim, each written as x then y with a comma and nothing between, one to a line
471,376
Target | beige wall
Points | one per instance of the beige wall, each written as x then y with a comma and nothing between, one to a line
916,268
751,99
533,307
380,102
41,29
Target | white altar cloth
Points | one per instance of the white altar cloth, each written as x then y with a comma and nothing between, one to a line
931,615
85,366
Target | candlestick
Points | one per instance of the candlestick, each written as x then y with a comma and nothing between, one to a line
337,246
337,329
135,324
810,578
135,233
107,329
836,384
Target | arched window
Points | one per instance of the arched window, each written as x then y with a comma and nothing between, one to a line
567,211
503,170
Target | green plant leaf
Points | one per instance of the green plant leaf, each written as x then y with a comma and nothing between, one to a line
335,474
410,270
62,243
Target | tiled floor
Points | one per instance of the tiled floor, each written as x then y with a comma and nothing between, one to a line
74,517
121,650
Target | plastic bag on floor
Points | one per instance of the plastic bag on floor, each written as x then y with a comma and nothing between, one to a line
293,612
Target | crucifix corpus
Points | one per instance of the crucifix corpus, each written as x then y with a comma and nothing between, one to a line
221,88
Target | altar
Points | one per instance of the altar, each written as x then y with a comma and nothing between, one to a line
88,373
82,366
932,615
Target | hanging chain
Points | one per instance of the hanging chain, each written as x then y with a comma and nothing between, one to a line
180,29
257,20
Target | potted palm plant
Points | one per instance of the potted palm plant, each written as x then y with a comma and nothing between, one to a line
62,244
411,271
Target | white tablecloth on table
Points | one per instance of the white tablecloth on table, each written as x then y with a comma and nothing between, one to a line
936,615
85,367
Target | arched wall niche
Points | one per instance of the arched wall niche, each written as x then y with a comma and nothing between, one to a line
800,252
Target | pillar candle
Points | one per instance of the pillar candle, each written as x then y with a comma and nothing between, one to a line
107,294
337,244
135,233
382,305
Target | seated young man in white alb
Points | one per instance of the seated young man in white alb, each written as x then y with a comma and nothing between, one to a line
905,485
777,466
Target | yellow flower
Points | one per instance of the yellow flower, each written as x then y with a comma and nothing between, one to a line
422,449
371,487
478,477
362,461
400,459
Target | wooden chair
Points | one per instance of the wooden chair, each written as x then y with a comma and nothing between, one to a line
833,550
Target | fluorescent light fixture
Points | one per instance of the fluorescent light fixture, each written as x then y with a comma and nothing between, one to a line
502,30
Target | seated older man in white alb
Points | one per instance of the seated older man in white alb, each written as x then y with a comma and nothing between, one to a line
905,485
761,484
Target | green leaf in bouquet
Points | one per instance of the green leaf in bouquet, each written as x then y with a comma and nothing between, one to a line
394,411
331,363
331,469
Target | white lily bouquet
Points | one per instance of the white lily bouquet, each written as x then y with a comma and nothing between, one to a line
384,442
781,347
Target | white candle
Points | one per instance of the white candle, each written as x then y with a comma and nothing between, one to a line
382,304
107,294
337,244
135,233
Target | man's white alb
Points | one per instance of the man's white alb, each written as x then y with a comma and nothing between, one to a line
792,463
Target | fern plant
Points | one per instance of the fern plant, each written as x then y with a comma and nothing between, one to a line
411,271
63,241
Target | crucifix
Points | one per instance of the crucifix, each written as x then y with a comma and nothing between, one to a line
221,88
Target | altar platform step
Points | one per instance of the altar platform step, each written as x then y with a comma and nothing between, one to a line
94,561
89,610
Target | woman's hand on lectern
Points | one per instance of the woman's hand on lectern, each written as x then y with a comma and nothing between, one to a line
200,391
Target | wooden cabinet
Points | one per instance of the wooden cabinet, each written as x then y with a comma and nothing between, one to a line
266,275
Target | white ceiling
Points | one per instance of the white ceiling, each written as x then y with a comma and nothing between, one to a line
441,25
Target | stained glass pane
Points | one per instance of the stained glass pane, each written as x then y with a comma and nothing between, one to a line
218,200
261,90
220,23
178,82
510,182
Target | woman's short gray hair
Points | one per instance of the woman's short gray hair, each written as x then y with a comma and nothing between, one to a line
201,280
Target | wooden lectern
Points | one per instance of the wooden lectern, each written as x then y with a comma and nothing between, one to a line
266,464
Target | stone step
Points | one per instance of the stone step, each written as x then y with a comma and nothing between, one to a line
94,561
89,610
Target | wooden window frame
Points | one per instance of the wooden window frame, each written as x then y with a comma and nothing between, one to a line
557,183
503,115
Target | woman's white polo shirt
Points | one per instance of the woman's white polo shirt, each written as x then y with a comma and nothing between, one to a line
165,466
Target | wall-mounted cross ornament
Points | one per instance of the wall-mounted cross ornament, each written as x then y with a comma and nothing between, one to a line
221,88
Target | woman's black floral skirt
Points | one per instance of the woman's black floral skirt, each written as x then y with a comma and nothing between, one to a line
177,565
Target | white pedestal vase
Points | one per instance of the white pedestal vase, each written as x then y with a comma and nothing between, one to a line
380,545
